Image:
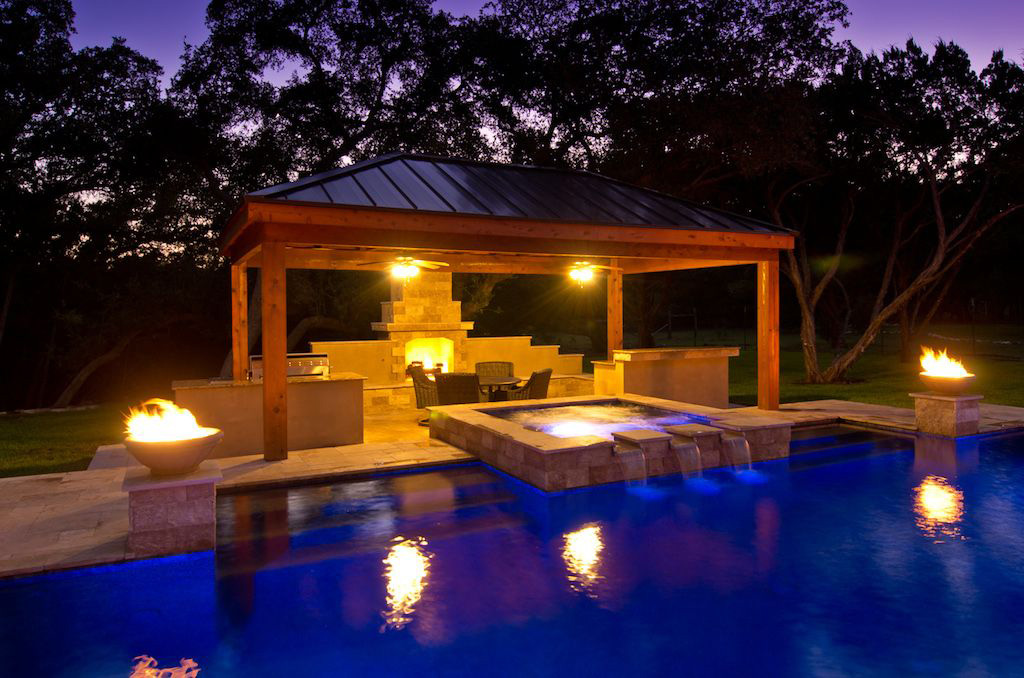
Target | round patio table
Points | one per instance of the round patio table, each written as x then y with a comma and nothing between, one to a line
497,387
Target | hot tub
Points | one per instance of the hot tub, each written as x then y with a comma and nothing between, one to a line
600,419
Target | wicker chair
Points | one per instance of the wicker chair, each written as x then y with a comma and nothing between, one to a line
496,368
535,388
455,388
425,390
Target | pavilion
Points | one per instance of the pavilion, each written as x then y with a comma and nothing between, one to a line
481,218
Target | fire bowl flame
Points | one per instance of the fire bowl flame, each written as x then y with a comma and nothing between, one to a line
166,438
944,374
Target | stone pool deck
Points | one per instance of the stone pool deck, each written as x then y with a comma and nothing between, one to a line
61,521
66,520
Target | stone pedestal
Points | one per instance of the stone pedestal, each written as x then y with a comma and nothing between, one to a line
172,514
947,415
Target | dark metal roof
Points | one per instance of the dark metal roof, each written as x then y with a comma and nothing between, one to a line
419,182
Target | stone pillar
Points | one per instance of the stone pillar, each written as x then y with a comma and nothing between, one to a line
947,415
172,514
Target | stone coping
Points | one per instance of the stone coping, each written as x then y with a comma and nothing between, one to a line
645,354
182,384
139,478
420,327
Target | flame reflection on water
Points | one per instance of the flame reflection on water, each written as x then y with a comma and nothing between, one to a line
146,667
581,551
939,507
407,567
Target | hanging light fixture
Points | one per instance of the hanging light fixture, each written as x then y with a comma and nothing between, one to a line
404,271
582,272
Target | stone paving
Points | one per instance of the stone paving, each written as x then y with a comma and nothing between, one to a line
67,520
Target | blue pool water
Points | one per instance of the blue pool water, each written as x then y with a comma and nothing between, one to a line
860,560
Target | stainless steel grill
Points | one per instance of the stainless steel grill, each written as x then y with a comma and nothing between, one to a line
299,365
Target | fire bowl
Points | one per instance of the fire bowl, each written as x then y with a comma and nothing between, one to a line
947,385
174,457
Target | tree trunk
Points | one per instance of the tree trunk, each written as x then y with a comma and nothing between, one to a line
481,291
83,375
6,308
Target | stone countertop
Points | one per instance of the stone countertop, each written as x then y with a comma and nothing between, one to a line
227,383
682,353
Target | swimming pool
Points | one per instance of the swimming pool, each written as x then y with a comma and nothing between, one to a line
866,559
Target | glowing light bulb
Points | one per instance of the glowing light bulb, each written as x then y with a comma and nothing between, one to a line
581,274
404,272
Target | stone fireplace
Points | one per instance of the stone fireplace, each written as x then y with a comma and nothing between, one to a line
423,323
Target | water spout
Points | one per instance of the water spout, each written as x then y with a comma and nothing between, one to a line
736,451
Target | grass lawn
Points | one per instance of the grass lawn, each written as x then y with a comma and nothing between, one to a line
52,442
65,441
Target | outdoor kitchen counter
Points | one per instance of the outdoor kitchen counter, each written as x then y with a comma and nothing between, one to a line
689,375
322,411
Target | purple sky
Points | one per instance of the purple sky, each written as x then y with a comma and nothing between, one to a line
158,28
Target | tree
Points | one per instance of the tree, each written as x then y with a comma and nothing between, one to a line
921,154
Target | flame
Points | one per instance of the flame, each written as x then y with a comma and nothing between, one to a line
431,351
408,565
939,364
939,507
146,667
159,420
582,555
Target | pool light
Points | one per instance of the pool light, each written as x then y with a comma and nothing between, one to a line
581,552
407,566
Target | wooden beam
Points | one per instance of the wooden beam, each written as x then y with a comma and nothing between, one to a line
239,321
275,378
658,265
768,335
614,309
416,242
337,219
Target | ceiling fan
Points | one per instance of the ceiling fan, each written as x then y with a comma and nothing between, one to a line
407,261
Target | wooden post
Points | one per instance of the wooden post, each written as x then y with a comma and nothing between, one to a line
614,308
239,321
768,335
275,378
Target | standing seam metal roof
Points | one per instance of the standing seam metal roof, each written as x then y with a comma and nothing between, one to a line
408,181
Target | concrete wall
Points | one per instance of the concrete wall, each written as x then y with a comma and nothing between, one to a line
702,381
527,358
372,358
321,412
383,399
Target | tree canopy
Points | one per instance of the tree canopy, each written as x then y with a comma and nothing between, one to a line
896,168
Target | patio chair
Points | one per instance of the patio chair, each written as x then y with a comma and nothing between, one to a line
536,387
425,390
455,388
496,368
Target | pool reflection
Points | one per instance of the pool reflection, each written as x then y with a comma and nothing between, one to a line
939,507
582,554
407,567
